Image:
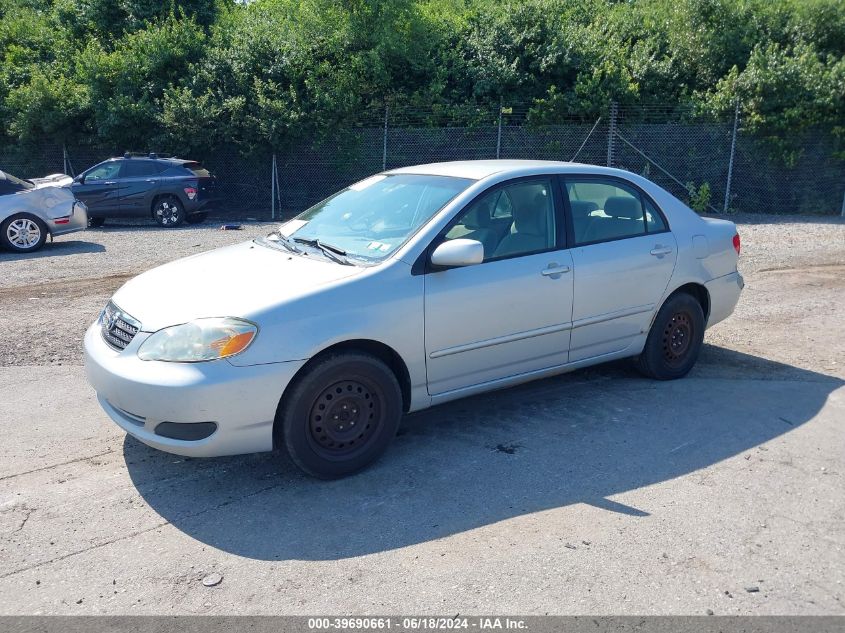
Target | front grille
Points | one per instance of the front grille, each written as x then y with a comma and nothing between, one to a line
118,328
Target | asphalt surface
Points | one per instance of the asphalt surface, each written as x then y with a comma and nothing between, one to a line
595,492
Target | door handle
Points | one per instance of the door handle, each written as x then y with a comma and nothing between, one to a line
110,182
150,180
660,251
554,271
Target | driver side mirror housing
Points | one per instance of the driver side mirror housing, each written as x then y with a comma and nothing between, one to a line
460,252
80,179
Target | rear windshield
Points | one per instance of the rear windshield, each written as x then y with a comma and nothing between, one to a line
198,170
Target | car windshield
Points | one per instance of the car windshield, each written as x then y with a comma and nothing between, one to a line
19,182
372,218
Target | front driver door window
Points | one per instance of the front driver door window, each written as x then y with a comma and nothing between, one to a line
510,314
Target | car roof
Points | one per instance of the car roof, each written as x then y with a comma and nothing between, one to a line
478,169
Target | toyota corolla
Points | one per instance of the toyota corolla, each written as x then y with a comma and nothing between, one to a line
411,288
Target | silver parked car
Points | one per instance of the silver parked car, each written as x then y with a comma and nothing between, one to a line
30,210
411,288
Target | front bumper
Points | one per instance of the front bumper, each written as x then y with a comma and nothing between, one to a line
78,221
139,395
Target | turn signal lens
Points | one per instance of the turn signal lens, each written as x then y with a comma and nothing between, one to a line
737,245
199,340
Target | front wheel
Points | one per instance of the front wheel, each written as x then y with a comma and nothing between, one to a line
168,212
341,415
674,340
23,233
95,223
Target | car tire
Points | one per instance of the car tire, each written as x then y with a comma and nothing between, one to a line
95,223
196,218
23,233
675,339
317,418
168,212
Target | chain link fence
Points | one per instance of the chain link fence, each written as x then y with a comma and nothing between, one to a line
715,166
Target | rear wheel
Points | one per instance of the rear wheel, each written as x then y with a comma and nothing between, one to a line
168,212
196,218
23,233
674,340
341,415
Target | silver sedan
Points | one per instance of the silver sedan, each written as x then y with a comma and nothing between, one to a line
30,210
408,289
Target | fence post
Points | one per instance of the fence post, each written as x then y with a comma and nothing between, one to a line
731,160
273,189
499,134
843,205
384,145
64,159
611,132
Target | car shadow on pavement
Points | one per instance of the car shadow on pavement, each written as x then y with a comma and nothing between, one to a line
578,438
55,249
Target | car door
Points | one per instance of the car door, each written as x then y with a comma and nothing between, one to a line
139,182
623,254
511,313
99,188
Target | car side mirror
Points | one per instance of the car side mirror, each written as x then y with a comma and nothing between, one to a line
461,252
80,179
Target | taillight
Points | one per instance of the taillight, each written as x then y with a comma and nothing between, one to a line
191,192
737,245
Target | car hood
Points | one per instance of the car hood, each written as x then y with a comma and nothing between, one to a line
243,280
53,180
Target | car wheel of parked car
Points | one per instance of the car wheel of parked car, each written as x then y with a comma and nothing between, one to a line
168,211
95,223
23,233
196,218
674,340
341,415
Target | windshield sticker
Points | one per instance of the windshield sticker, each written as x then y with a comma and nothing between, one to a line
367,182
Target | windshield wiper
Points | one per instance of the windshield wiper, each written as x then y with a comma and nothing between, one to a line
332,252
284,241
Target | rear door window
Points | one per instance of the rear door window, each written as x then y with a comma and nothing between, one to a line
139,169
606,210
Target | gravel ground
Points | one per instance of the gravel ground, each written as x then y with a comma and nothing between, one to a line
595,492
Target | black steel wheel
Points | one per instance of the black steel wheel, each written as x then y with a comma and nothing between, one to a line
341,415
675,339
168,212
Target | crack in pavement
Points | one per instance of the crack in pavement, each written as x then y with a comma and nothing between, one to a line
136,533
41,468
29,512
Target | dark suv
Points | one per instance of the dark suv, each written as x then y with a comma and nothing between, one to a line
171,190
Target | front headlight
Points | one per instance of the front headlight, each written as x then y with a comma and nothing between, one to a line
199,340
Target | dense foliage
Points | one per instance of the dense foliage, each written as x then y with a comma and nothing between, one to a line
191,74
